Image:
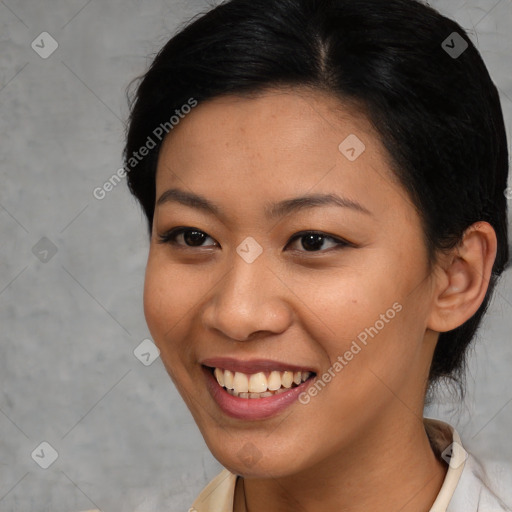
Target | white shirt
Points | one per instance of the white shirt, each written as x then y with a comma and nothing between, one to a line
467,486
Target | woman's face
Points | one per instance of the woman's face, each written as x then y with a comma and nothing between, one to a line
246,288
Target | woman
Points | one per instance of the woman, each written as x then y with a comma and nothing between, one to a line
324,184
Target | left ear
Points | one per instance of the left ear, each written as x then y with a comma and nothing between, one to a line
462,279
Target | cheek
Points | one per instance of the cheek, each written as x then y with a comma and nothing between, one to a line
348,301
166,306
168,300
154,300
363,318
168,295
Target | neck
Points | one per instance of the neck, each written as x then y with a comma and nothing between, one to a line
392,468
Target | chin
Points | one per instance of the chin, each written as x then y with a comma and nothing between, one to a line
258,458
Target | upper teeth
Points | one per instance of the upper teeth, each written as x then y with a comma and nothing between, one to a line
258,382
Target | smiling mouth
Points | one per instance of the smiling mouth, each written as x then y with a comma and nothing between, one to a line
260,384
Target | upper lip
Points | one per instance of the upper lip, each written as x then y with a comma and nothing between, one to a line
250,366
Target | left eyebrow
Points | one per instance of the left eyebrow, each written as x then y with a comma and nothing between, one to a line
272,210
311,201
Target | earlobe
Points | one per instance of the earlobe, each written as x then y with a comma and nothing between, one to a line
462,281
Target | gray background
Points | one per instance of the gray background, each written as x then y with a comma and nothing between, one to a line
70,323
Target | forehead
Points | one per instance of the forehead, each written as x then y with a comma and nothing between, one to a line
286,113
270,124
277,143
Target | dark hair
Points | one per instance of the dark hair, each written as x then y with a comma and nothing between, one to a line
437,113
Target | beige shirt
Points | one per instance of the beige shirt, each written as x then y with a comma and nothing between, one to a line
465,488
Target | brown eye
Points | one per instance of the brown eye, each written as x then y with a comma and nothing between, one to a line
312,241
191,236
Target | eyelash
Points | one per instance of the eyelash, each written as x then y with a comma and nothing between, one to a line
169,237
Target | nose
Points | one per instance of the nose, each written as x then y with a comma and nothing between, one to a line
250,299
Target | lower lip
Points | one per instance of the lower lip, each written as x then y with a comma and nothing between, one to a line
252,408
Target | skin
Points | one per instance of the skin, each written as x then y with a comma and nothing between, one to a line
360,444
